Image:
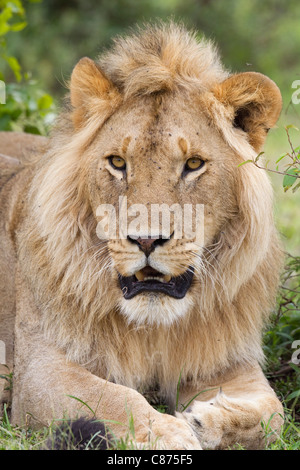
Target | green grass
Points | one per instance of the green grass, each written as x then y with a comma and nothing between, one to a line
20,438
17,438
289,438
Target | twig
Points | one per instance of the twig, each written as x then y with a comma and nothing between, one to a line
274,171
291,145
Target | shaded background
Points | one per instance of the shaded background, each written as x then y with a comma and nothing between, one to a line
263,36
251,34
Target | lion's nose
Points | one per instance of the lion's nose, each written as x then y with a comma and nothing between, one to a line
147,244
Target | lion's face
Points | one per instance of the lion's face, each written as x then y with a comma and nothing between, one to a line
154,151
165,125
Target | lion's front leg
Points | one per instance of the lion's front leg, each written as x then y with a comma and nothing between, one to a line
48,387
233,412
51,388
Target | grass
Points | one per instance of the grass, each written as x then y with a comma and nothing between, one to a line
17,438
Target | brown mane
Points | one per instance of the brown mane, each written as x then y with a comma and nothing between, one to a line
163,57
78,303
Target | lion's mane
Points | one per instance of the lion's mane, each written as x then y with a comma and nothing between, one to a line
71,272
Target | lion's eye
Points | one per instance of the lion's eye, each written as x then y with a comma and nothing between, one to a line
117,162
194,163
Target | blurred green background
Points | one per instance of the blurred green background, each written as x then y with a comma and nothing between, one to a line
263,36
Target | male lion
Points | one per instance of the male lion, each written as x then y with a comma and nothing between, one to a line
110,321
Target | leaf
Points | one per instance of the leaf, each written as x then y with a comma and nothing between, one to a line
16,7
18,26
4,122
15,66
290,178
280,158
293,395
246,161
291,126
295,188
4,28
31,129
45,102
5,15
258,156
295,367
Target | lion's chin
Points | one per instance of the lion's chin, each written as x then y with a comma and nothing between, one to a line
155,309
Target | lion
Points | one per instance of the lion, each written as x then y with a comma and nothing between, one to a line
110,318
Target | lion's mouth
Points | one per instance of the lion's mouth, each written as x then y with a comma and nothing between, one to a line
150,280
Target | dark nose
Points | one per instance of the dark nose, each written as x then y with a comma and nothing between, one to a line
147,244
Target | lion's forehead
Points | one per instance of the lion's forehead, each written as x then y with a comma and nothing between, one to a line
174,127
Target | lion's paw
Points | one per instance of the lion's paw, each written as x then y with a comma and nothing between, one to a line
206,421
170,433
223,422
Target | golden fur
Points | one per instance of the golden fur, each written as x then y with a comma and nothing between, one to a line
156,99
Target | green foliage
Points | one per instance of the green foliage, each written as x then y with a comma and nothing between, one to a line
291,160
251,35
282,335
281,340
12,19
292,172
17,438
290,178
289,435
27,109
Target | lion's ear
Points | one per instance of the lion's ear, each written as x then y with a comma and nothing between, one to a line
91,92
255,101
